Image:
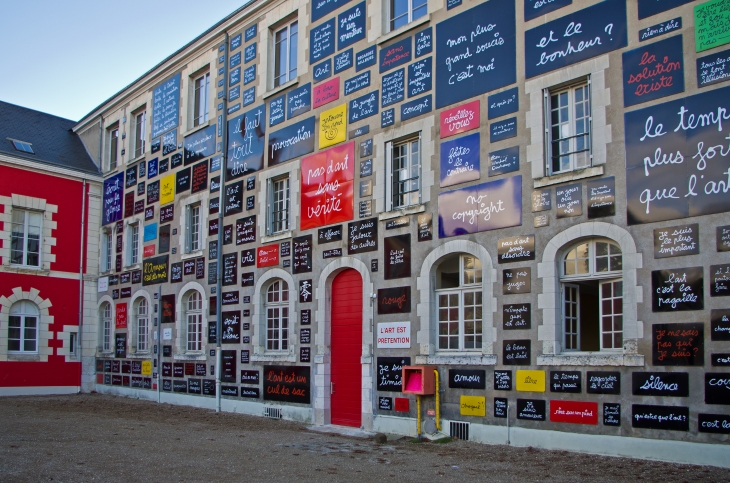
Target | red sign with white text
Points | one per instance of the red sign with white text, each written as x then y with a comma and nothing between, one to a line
326,92
576,412
328,187
121,316
267,256
459,119
149,250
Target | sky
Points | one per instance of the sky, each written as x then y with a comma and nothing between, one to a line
65,57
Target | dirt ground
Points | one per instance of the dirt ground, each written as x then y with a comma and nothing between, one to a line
92,437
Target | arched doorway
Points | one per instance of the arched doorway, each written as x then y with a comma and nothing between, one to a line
346,349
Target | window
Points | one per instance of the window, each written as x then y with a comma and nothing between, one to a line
285,54
73,338
113,134
592,296
140,127
133,244
194,321
403,187
277,316
22,146
23,327
402,12
459,303
142,325
25,240
202,86
106,250
192,235
569,128
106,327
278,205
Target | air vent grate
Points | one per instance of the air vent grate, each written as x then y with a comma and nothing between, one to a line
273,413
459,430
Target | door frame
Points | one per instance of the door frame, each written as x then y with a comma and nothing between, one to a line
322,341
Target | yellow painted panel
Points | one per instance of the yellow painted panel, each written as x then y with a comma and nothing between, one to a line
167,189
473,406
333,126
146,368
530,381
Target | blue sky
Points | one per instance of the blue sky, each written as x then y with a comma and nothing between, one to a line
66,57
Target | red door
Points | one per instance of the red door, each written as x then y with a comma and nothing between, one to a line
346,346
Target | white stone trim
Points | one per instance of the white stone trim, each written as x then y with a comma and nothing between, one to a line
292,170
550,331
132,322
258,319
322,359
44,322
600,98
201,198
49,225
104,299
426,308
425,126
180,329
272,20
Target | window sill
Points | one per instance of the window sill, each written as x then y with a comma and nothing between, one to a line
138,355
133,266
273,357
592,359
408,210
460,359
395,33
190,356
105,355
571,176
196,128
188,256
134,160
26,270
277,237
20,357
282,87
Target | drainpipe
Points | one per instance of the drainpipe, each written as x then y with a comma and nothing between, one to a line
219,258
82,249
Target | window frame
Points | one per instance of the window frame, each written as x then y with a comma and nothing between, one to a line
107,327
198,118
278,311
140,132
107,248
194,318
567,281
476,288
409,14
290,54
25,252
113,152
133,245
193,230
142,325
25,311
390,191
276,226
584,82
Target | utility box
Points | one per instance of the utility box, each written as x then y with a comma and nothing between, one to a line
419,380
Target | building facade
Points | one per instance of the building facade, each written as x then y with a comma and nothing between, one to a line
50,195
528,197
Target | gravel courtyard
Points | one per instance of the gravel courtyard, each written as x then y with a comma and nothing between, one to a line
93,437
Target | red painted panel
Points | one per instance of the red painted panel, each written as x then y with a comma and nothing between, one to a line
346,347
459,119
327,187
62,192
577,412
326,92
267,256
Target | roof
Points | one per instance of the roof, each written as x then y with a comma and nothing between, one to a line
53,141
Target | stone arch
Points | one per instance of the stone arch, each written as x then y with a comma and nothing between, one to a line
44,322
258,317
550,331
180,314
322,360
132,318
425,309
